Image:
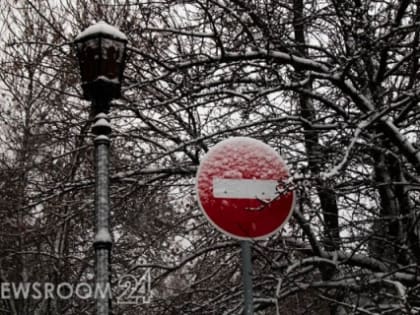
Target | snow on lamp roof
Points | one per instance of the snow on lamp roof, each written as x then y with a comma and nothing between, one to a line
101,28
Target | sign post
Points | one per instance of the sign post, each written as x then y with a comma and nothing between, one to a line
241,189
247,276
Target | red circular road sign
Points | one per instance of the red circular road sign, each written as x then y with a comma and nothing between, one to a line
240,188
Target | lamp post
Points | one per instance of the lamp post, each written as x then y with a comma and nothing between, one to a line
101,50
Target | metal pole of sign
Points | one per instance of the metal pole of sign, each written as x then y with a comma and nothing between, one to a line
247,276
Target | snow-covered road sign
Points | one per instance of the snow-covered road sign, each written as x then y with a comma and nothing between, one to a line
240,188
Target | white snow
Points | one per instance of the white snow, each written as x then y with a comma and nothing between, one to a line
102,137
107,80
102,28
102,122
103,236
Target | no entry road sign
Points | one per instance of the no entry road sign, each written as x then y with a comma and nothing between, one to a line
240,188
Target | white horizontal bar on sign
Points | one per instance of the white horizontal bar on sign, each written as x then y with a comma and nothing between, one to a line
245,188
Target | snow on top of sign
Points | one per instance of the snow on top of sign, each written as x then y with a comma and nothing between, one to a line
232,174
240,158
256,155
240,143
102,28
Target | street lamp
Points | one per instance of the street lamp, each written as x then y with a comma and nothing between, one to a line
101,50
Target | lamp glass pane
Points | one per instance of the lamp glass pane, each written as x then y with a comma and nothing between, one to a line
90,59
112,52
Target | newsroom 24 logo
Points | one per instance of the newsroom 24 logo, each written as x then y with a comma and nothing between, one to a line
135,290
